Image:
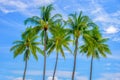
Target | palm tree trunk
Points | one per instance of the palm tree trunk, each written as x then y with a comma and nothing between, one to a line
24,74
45,42
91,66
55,66
75,55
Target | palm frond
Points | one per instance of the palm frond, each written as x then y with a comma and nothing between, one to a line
51,49
33,50
62,52
18,42
19,50
68,48
39,50
56,16
31,20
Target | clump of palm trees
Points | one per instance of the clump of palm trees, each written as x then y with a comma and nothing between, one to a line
55,34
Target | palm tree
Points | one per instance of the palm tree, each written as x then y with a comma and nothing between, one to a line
60,39
42,24
94,47
78,26
26,46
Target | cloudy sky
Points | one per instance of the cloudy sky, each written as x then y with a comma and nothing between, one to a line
105,13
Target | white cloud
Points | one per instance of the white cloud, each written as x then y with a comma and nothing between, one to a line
105,19
60,11
110,76
6,10
108,64
30,72
50,78
17,4
14,78
20,78
25,7
60,74
66,7
9,6
43,2
108,22
116,57
116,39
81,78
98,9
111,30
116,14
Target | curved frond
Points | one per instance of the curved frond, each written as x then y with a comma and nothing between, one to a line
19,50
31,20
33,50
62,52
51,49
68,48
18,42
39,50
56,16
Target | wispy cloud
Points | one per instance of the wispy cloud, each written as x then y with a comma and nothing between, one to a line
12,24
110,76
116,39
59,73
81,78
109,21
6,10
115,57
11,6
108,64
50,78
25,7
116,14
20,78
15,78
43,2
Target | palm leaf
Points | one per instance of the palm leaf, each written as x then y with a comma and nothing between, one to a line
62,52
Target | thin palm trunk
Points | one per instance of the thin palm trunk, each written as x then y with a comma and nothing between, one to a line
25,70
91,66
75,55
55,66
45,42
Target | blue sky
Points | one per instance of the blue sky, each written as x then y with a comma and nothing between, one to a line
105,13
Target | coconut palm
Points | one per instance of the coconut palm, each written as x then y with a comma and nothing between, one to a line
26,46
95,47
78,26
42,24
60,40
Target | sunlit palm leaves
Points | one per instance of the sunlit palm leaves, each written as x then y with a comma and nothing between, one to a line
80,25
95,47
26,46
42,24
60,39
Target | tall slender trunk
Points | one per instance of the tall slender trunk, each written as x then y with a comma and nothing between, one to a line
75,55
45,42
55,66
24,74
91,66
